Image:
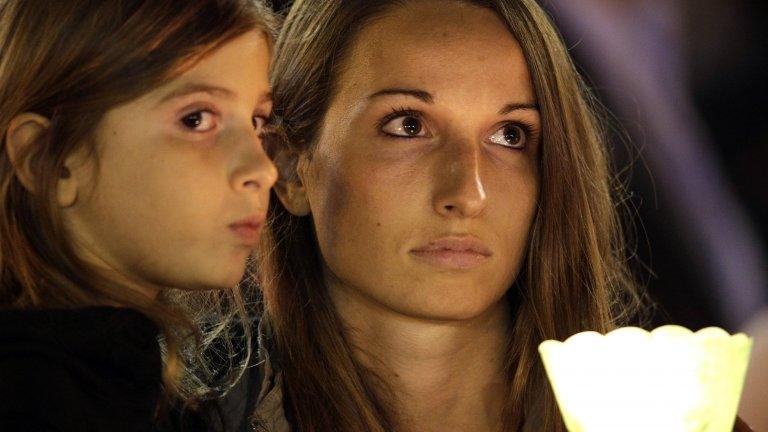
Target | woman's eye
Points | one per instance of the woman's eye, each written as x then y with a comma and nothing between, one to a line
404,126
199,121
510,135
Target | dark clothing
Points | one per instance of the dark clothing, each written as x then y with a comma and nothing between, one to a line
91,369
265,404
99,369
255,402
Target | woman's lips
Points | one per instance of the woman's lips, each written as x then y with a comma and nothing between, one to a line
462,252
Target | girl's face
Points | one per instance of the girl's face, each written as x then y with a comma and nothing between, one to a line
423,183
183,183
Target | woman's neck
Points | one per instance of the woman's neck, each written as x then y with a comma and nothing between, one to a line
442,375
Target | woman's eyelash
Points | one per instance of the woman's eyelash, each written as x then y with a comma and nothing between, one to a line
531,131
398,112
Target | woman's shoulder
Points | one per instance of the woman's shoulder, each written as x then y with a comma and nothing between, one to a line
78,369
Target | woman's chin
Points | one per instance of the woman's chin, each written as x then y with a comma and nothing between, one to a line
447,310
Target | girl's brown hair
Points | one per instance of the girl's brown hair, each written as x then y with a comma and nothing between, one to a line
575,277
72,61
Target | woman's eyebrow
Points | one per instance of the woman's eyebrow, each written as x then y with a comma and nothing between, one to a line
422,95
426,97
508,108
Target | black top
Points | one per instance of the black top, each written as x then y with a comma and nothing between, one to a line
93,369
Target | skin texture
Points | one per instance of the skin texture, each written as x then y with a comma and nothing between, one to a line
157,211
437,332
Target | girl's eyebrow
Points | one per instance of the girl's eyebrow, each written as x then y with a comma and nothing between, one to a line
197,87
266,97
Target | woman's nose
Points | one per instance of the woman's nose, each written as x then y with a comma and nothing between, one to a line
460,191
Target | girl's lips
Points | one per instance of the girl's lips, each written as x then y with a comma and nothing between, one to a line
248,229
249,233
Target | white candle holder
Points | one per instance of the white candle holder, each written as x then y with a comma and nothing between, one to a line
630,380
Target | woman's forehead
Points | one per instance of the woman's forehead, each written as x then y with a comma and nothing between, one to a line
421,29
439,50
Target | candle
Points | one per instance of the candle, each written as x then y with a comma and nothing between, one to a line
667,380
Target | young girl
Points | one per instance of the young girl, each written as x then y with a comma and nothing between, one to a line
131,170
445,205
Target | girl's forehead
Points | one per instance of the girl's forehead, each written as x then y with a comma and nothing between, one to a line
234,70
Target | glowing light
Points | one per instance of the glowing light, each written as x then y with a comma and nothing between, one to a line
632,380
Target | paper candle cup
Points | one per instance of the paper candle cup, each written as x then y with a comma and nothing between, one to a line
667,380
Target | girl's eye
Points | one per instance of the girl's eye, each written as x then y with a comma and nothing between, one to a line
510,135
199,121
404,126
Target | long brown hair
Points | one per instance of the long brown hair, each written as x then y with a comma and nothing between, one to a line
575,277
70,62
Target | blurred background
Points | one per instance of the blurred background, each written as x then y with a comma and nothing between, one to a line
686,83
685,80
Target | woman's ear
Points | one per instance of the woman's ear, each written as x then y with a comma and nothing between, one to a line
290,188
24,130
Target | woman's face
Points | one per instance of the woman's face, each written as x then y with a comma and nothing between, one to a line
183,182
423,182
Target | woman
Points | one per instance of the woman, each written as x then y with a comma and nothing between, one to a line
444,205
134,186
